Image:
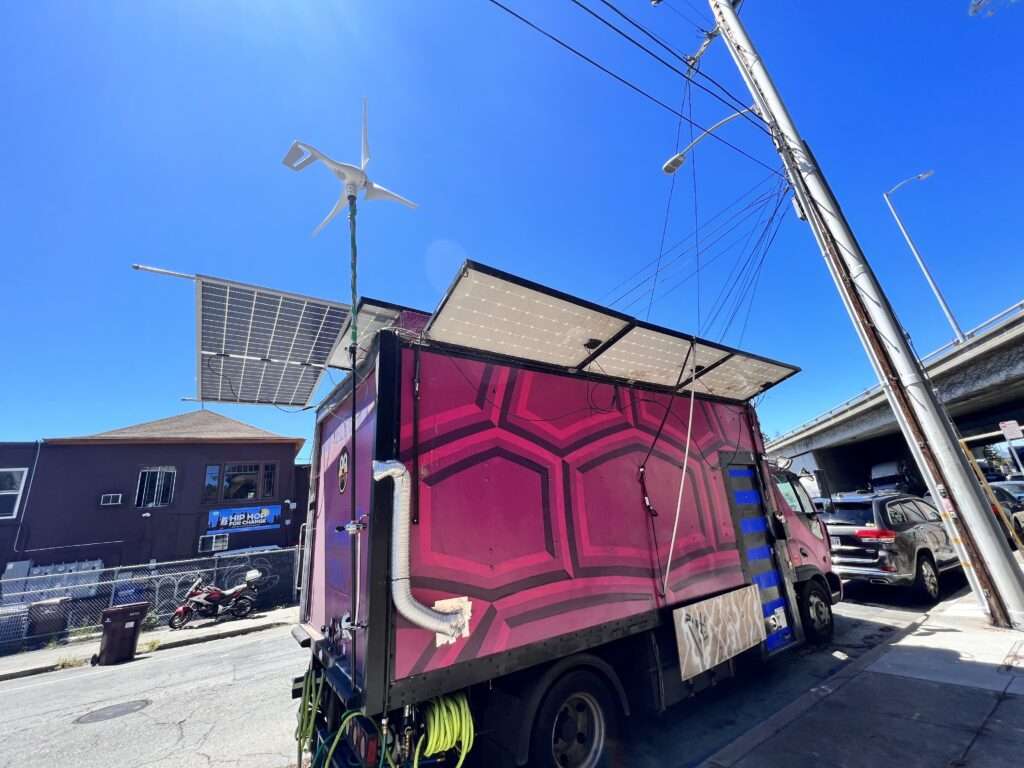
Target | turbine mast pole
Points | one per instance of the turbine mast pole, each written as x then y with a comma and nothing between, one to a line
353,350
995,577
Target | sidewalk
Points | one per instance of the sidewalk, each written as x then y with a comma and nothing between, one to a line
77,654
950,693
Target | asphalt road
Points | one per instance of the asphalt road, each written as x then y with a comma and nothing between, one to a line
222,703
227,702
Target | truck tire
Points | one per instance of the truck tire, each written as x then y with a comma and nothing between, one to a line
816,612
926,580
576,725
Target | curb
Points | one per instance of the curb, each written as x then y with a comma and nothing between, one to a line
730,755
174,643
183,641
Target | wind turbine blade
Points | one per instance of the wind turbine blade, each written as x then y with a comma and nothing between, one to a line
377,192
338,206
366,141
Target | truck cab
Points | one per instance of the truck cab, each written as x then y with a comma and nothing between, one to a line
807,544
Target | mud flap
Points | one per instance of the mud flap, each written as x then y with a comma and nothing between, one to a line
763,558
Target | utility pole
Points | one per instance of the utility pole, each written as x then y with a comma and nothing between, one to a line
994,575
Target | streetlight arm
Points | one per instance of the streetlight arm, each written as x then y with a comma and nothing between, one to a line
675,162
916,177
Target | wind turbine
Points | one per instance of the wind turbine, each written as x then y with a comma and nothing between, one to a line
353,179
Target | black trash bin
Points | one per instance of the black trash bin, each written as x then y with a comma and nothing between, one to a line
121,627
48,619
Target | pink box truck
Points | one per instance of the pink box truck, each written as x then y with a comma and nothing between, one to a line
562,516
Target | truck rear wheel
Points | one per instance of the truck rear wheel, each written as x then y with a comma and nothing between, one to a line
576,724
816,612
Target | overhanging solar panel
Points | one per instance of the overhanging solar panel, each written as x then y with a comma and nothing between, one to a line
488,310
495,312
371,317
654,357
257,345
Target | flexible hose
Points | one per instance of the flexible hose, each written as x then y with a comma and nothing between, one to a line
347,718
310,704
449,723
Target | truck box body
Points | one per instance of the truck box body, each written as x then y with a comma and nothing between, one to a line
528,502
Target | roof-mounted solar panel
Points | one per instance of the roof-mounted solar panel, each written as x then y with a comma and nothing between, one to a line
491,311
654,357
257,345
372,317
497,313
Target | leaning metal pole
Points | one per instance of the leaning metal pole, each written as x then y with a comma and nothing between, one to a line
994,575
927,273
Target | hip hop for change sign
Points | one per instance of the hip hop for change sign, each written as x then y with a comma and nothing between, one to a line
237,519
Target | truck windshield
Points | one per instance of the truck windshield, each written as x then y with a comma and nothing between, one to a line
849,514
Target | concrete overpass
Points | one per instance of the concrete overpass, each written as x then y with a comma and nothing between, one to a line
980,381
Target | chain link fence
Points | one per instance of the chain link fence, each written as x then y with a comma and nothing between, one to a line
39,610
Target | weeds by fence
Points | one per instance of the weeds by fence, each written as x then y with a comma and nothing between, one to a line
45,609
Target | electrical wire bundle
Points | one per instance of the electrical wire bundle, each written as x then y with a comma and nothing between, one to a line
449,724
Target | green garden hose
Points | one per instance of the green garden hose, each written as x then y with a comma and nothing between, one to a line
308,707
449,723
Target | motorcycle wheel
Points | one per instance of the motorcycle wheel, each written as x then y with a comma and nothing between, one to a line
179,620
242,608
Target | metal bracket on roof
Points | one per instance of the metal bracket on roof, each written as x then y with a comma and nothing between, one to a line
604,347
704,370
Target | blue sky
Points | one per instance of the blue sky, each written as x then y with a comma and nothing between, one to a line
153,132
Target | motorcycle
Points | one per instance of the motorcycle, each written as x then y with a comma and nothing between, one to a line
209,601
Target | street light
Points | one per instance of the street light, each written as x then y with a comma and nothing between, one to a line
917,255
675,162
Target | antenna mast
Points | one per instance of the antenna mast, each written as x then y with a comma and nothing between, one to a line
994,575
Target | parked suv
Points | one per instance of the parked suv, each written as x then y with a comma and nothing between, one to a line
889,538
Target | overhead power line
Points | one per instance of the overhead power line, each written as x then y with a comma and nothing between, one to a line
632,86
730,212
689,61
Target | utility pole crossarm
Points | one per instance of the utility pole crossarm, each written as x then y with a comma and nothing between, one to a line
993,573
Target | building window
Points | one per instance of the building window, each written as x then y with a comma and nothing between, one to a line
269,480
211,490
156,487
110,500
12,482
241,481
214,542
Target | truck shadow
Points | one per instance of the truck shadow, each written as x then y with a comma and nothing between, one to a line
691,731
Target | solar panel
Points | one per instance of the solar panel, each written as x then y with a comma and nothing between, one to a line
654,357
494,312
487,310
371,317
256,345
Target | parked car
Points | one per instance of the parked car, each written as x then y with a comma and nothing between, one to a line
1013,487
1011,497
889,538
1010,505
